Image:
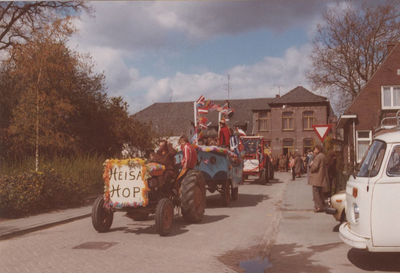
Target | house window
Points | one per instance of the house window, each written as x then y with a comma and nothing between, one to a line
308,120
288,147
263,121
308,144
363,141
391,97
287,120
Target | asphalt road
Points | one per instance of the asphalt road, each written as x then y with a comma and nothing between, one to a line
225,237
270,228
309,242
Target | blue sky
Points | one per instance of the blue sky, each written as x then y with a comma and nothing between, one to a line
161,51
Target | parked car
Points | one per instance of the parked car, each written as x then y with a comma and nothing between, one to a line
337,206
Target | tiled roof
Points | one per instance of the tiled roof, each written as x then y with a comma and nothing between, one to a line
174,118
299,95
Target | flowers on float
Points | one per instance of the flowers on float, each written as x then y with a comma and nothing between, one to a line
146,171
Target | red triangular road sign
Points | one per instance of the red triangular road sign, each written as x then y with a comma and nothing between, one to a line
322,130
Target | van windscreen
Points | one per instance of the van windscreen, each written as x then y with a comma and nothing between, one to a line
372,160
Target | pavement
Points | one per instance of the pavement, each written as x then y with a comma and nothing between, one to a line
15,227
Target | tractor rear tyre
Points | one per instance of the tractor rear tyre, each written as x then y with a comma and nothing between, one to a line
271,172
264,179
164,216
225,193
102,218
193,196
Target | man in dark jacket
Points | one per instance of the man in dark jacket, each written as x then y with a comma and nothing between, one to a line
166,156
319,178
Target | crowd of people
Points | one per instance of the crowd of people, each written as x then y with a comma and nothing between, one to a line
321,172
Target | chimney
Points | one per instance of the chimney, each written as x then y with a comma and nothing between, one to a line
277,96
390,47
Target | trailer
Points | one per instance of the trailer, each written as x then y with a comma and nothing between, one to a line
221,169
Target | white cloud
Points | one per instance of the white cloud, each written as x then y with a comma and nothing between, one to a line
125,32
262,79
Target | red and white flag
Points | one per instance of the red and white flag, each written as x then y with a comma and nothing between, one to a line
241,132
202,120
202,111
202,126
201,100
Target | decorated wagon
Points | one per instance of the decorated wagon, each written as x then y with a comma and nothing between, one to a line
221,169
134,186
256,160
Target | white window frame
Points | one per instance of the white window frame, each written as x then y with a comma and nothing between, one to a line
362,139
392,95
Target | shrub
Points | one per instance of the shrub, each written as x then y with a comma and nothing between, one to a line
33,192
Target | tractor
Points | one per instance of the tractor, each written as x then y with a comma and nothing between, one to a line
140,189
255,155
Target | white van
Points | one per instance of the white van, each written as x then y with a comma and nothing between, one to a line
373,198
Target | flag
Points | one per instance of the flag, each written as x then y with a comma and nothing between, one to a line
200,135
194,139
202,120
241,132
202,111
201,100
202,126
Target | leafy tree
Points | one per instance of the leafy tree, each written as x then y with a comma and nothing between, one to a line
58,105
20,20
43,72
127,134
349,47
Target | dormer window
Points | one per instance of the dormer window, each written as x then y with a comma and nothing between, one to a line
391,97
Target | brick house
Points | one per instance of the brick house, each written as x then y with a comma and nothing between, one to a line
284,121
172,119
371,110
287,124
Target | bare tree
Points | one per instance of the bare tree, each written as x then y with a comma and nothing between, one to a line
350,46
18,20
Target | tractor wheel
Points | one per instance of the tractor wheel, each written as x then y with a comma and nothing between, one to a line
272,172
235,193
101,217
164,216
267,173
193,196
264,179
225,193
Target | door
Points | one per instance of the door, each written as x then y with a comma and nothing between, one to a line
385,209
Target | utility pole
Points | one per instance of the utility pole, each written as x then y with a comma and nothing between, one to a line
229,86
